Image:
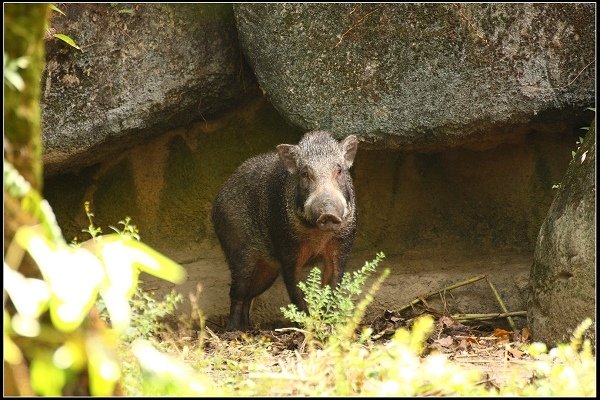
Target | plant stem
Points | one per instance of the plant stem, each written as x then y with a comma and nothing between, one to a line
502,305
456,285
464,317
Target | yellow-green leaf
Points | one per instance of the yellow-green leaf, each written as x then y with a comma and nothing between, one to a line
67,40
29,295
22,62
46,378
72,274
161,366
54,8
140,255
103,368
25,325
71,355
12,353
14,79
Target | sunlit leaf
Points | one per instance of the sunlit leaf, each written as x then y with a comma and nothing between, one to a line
22,62
421,329
12,353
537,348
14,181
71,355
14,79
32,202
103,368
25,325
29,295
54,8
163,366
120,281
134,252
125,11
67,40
73,275
46,378
11,71
118,307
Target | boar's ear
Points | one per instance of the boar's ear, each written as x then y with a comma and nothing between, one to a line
349,147
286,154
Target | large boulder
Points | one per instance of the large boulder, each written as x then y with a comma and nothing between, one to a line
424,76
141,70
439,219
563,275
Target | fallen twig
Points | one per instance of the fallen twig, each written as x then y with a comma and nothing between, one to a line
481,317
456,285
502,305
291,329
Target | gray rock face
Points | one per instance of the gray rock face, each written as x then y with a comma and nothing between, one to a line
423,76
563,282
137,74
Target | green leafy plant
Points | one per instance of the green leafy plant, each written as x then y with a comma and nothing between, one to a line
330,309
569,369
53,7
128,11
145,328
67,39
51,326
579,141
147,314
61,36
11,71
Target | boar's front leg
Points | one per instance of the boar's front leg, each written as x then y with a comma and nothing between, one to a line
250,279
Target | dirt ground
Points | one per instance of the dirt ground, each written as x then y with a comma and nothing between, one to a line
480,345
490,346
411,275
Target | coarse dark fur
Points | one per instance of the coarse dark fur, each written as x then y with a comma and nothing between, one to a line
283,212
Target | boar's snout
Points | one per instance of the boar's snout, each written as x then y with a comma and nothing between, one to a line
328,222
329,214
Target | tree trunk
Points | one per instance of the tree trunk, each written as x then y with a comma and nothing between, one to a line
24,27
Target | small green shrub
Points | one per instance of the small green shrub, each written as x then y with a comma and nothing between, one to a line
147,314
54,342
345,365
329,309
65,38
138,342
569,369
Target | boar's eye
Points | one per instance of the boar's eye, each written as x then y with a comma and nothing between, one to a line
305,174
338,170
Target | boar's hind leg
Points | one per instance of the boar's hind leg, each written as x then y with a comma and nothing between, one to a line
245,287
